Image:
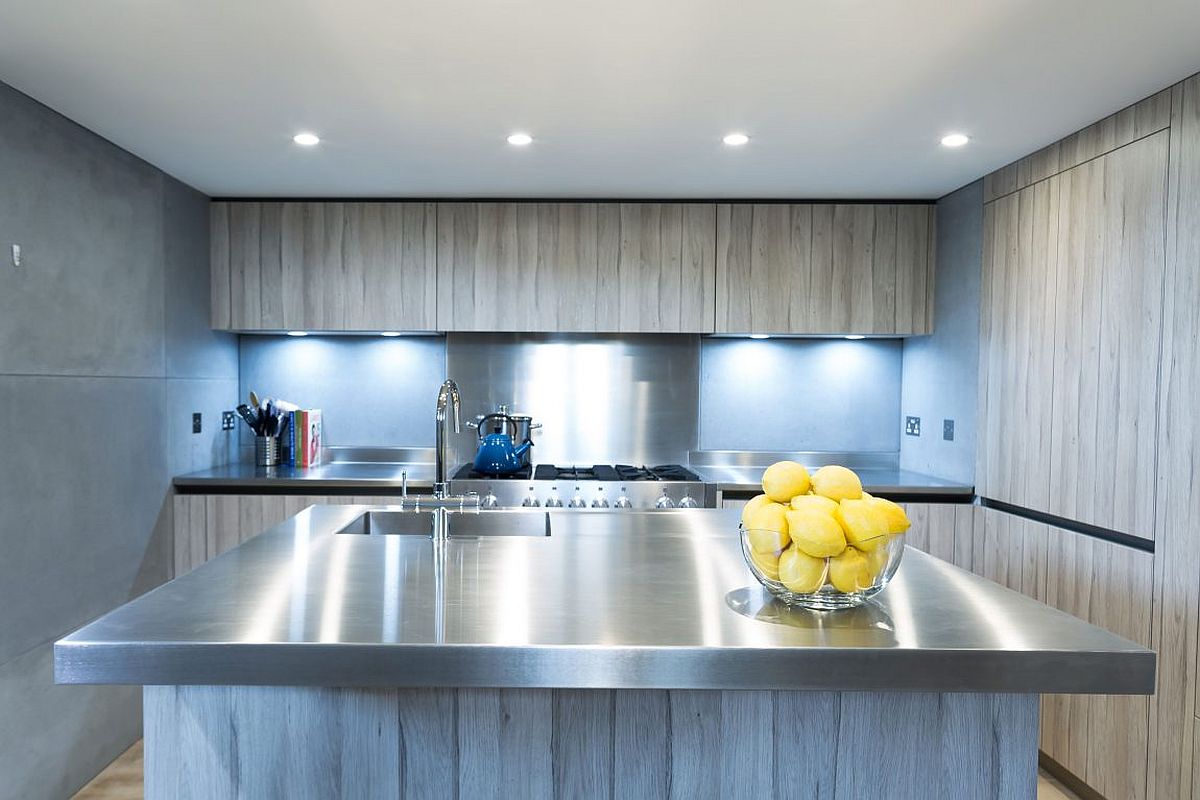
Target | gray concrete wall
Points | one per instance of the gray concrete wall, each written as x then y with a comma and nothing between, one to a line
941,371
105,351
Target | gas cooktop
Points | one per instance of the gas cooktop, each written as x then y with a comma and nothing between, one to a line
596,472
595,486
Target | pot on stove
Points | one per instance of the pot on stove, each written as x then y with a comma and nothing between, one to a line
505,441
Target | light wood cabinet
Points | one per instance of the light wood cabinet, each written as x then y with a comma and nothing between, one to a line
207,525
1104,740
825,268
575,267
1070,340
323,266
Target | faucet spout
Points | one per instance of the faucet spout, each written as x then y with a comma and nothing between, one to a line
448,397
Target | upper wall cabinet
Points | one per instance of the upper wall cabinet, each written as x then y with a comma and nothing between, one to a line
586,267
323,266
825,268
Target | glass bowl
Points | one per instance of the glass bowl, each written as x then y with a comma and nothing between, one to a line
880,558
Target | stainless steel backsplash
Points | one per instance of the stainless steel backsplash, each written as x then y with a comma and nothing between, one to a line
600,399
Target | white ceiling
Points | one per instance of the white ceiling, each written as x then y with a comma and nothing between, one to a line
626,98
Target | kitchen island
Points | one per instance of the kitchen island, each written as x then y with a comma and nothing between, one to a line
625,654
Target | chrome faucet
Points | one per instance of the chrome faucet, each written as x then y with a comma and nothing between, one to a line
448,394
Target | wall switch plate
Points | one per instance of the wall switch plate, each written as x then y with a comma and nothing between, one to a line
912,426
948,430
16,255
226,420
196,422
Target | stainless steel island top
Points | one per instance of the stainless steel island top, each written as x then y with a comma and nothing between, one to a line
658,599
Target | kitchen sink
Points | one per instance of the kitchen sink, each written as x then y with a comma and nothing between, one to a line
392,523
498,522
459,525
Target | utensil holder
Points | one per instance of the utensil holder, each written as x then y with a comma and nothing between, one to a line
266,451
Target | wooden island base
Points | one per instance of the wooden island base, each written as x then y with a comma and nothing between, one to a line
302,742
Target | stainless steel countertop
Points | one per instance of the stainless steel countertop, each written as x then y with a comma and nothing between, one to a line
338,475
875,480
658,599
380,468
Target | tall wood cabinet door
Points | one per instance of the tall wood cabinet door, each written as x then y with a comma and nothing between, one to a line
824,269
1108,334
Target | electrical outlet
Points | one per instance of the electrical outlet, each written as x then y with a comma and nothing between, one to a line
16,255
948,430
196,422
226,420
912,426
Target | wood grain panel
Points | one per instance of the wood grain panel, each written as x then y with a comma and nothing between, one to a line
1070,336
817,268
582,743
943,530
190,542
576,267
324,265
1177,554
1108,326
214,741
220,300
1127,125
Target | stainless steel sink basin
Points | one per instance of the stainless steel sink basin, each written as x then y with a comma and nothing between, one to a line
392,523
498,522
459,525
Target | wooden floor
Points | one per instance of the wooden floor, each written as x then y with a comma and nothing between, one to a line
122,780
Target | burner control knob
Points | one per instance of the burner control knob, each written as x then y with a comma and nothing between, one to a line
664,501
489,500
577,501
530,500
623,500
688,502
600,501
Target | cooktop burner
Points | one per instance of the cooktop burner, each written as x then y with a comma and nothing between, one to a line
596,472
467,473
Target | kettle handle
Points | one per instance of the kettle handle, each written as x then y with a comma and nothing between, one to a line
478,425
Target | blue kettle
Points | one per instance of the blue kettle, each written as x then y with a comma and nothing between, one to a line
497,455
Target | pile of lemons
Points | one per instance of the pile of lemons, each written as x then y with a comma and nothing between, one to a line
808,530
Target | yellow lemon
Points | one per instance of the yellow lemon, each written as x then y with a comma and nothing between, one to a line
800,572
849,571
767,563
837,483
816,532
783,480
865,525
767,528
815,501
753,505
897,520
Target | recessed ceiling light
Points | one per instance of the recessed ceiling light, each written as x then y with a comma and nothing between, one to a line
955,139
297,333
389,334
760,336
854,337
306,139
519,139
735,139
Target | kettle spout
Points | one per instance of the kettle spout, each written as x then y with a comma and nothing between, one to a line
525,445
